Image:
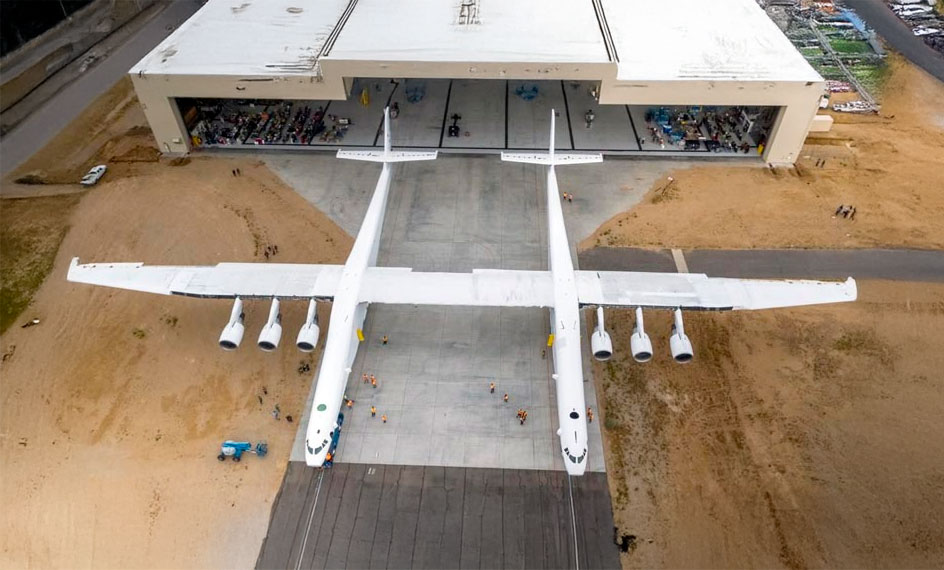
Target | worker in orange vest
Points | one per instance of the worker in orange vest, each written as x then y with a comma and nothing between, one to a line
384,418
373,412
590,415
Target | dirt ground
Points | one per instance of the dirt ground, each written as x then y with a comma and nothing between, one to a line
890,167
797,438
113,408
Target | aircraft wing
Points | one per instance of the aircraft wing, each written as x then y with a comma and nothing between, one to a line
223,280
480,288
698,291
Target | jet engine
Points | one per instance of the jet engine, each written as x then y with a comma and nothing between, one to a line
272,331
679,343
232,333
639,343
308,334
600,342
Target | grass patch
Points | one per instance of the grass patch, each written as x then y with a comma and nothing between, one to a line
30,235
850,46
139,333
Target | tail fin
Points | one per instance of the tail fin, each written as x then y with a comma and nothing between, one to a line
551,157
387,155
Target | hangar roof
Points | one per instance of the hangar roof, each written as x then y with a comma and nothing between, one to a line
654,40
247,37
665,40
491,31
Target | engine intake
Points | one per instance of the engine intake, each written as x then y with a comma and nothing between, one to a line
232,333
307,338
679,343
600,342
271,333
639,343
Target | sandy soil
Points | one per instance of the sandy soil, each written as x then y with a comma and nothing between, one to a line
890,167
112,410
798,438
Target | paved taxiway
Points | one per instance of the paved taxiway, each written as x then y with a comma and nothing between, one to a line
375,516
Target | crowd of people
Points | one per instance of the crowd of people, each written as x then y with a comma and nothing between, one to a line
709,128
266,122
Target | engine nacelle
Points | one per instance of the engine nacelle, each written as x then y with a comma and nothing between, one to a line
307,338
271,333
639,343
681,347
600,342
232,333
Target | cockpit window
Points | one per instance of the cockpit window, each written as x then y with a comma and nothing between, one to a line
573,458
318,449
574,415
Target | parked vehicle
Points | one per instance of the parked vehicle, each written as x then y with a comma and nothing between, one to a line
94,175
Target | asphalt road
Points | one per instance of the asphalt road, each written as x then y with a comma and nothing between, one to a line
898,35
392,516
39,128
892,264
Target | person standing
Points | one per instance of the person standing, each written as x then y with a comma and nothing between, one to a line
505,397
373,381
589,415
491,387
373,412
383,418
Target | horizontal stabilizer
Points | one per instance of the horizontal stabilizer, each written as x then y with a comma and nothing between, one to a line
380,156
558,158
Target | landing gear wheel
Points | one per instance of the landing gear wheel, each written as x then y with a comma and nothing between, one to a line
236,458
221,457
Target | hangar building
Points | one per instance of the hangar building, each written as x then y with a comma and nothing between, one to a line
629,76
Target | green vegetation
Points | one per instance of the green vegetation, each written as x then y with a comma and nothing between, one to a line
871,76
850,46
139,333
30,234
811,51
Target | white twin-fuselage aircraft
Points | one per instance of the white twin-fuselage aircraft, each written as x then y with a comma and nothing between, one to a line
359,282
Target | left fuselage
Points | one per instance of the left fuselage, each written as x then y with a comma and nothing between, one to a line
347,318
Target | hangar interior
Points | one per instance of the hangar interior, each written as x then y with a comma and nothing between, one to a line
478,115
480,77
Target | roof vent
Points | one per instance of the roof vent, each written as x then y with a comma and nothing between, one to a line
294,10
468,12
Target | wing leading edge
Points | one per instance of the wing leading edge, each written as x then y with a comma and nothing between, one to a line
698,291
223,280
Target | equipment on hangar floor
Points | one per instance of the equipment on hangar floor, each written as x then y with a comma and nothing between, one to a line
235,449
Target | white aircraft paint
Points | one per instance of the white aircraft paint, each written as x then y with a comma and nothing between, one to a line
358,282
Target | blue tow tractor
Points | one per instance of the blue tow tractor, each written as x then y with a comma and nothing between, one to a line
335,437
235,449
